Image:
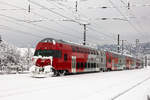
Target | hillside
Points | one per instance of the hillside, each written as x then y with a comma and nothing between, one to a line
142,48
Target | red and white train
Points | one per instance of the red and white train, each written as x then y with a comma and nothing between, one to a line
59,57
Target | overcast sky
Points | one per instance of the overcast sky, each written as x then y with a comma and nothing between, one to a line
52,18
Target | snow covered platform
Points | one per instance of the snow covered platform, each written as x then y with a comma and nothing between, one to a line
116,85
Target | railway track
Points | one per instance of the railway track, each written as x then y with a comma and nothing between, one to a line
129,89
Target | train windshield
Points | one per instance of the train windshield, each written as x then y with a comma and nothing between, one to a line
47,53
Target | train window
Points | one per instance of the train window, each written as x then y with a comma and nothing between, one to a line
97,65
109,59
97,52
94,65
73,49
65,57
89,65
85,65
101,59
78,65
101,54
81,65
77,49
120,60
47,53
91,52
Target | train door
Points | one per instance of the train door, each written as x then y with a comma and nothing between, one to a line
73,64
113,64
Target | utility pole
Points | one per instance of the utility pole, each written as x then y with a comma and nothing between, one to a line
123,46
84,37
28,57
76,6
145,61
0,53
118,43
137,47
0,38
29,7
130,49
128,5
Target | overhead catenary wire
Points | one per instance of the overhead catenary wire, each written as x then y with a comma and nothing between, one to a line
44,28
108,36
22,25
18,20
40,26
92,28
137,22
103,33
54,12
35,3
39,20
19,7
30,23
126,18
123,2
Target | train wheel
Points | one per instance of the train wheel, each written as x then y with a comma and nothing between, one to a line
55,73
62,72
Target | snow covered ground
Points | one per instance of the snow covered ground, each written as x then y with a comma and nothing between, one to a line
116,85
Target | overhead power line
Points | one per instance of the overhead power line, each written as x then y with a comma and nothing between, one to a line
55,12
40,26
126,18
137,22
45,18
35,3
84,16
40,15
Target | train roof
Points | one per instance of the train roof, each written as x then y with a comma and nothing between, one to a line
51,40
65,42
79,45
116,53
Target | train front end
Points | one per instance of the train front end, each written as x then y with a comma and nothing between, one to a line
42,67
43,59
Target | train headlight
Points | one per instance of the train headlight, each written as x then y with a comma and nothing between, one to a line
47,69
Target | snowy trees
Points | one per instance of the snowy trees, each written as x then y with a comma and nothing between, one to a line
11,59
8,57
27,58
